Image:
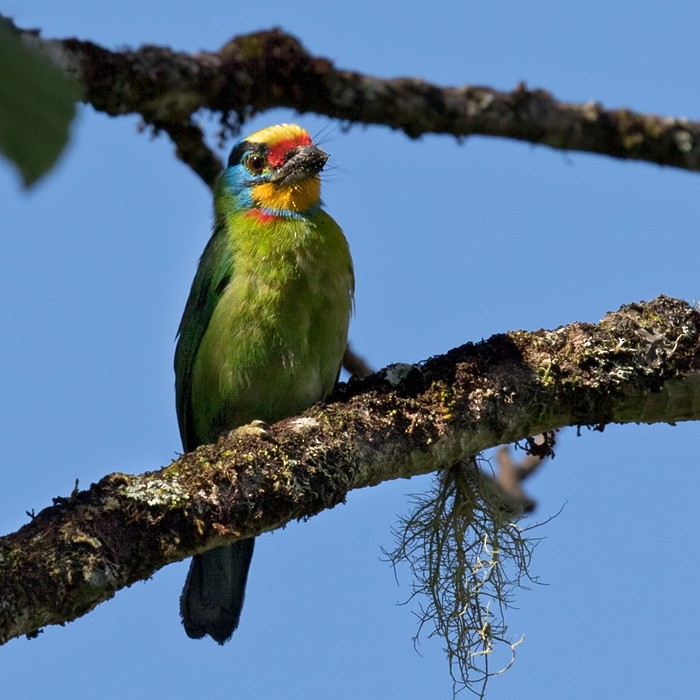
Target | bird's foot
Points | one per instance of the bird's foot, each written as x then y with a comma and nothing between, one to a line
257,428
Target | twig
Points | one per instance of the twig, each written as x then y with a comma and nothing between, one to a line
511,474
355,364
191,149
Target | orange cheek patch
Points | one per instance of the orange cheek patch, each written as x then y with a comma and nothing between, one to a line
297,197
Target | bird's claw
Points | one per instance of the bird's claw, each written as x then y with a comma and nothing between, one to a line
257,428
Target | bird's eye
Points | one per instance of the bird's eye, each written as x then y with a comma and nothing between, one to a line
255,163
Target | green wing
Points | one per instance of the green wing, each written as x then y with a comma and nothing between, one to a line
213,275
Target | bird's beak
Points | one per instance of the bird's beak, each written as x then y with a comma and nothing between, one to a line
302,163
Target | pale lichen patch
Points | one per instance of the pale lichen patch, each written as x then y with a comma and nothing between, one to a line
154,491
303,423
396,373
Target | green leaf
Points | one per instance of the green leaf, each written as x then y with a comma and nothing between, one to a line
37,105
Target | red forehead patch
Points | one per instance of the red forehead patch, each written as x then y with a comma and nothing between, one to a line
276,152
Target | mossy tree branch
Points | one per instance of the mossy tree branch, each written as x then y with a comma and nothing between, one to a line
639,364
267,69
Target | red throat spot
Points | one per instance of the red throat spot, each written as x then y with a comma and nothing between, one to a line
261,216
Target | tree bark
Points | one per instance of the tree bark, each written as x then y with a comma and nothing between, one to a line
267,69
639,364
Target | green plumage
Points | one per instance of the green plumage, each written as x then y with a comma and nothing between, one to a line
265,327
262,337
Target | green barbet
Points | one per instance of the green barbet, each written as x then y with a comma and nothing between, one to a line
264,330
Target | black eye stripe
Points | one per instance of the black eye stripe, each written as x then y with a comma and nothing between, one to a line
245,147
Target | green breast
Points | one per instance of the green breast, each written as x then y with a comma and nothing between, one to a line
276,335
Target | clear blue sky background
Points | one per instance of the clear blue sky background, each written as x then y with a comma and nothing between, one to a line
451,243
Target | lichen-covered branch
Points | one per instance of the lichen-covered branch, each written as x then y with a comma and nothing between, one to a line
267,69
638,364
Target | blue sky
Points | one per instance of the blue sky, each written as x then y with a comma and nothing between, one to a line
451,243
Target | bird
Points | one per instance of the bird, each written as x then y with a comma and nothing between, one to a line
264,328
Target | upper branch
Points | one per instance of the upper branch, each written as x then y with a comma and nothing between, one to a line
638,364
256,72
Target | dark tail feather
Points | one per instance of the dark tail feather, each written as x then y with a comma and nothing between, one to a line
212,599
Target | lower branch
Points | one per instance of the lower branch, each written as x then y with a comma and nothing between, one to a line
638,364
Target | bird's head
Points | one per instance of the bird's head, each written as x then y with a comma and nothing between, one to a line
275,170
